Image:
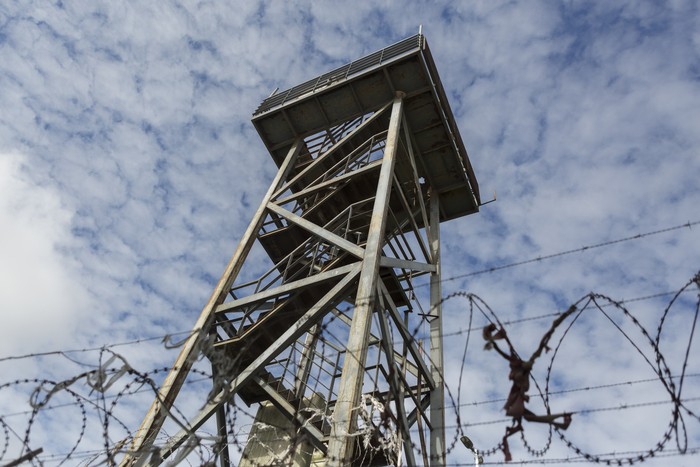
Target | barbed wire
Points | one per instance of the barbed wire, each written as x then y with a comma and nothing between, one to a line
582,249
98,393
554,314
619,407
168,343
168,337
662,371
614,456
579,389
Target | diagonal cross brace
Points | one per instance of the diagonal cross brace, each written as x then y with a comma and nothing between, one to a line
315,229
289,336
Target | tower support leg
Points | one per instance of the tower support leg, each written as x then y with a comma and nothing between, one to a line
222,433
437,395
340,447
152,423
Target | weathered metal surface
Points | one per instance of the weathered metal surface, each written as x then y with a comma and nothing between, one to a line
318,230
268,354
355,182
407,66
437,396
350,389
155,417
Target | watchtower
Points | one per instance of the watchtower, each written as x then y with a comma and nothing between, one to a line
370,163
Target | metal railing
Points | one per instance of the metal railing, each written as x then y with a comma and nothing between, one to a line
343,73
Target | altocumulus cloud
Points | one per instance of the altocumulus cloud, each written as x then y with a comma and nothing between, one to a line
133,118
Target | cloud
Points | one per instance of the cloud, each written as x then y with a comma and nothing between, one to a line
42,295
139,168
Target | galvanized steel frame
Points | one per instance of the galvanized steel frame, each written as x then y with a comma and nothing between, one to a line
370,294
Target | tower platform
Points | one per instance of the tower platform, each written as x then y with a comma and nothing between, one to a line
363,86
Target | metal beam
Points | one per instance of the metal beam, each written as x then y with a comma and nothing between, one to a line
152,423
410,366
285,288
290,335
328,153
386,296
221,446
389,262
416,181
329,183
306,361
437,395
341,443
411,218
407,337
317,230
418,411
222,433
397,387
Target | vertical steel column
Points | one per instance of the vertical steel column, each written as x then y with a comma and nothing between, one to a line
396,384
301,379
222,432
152,423
437,395
340,446
221,428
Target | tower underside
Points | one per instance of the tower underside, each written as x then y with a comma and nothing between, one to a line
338,338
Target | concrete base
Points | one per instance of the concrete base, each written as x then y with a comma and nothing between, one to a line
269,441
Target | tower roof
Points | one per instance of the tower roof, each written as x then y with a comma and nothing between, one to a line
365,85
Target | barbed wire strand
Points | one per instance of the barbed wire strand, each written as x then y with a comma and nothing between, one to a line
105,377
582,249
688,225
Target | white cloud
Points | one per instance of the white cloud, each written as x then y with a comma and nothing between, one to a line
42,297
141,167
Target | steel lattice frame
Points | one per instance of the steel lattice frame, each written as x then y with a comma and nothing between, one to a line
350,223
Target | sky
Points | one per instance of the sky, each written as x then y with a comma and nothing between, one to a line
129,169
